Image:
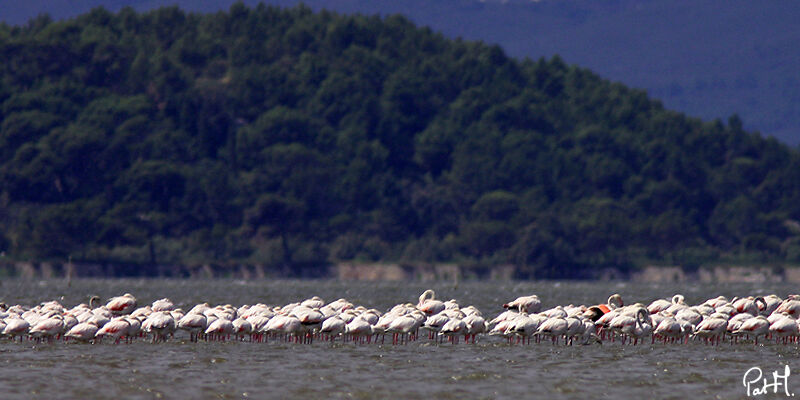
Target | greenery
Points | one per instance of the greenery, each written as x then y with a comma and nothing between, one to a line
290,138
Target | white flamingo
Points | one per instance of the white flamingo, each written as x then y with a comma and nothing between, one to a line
114,329
756,326
712,329
784,328
122,305
83,331
530,303
428,303
333,327
554,327
194,323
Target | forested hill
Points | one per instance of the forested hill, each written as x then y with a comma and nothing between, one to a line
288,137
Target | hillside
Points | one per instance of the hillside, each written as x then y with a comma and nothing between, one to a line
709,59
288,137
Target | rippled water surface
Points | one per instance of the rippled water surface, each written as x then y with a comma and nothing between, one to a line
489,369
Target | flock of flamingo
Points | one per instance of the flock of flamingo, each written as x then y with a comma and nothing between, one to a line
666,320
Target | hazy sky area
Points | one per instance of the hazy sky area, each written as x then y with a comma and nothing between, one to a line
708,59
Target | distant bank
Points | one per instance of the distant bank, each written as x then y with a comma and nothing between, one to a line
389,272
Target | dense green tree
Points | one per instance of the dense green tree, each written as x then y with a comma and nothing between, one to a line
283,136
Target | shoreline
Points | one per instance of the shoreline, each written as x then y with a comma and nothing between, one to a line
421,272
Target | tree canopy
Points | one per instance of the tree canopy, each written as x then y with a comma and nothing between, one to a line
284,136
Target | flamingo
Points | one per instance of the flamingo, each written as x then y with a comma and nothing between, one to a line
784,328
554,327
735,322
220,328
122,305
503,328
142,312
690,315
358,329
287,325
727,309
372,316
83,331
771,303
575,328
402,327
453,328
605,320
428,303
475,325
504,316
643,326
310,318
663,304
595,313
100,318
16,327
314,302
750,305
716,302
259,323
471,310
451,304
114,329
194,323
333,327
134,328
160,324
756,326
242,327
434,323
523,326
789,306
711,328
530,303
48,328
669,329
622,324
162,305
339,305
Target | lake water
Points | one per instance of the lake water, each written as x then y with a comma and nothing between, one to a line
489,369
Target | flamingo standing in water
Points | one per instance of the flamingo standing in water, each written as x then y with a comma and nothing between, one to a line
434,324
756,326
160,324
220,329
523,325
48,328
711,329
784,328
83,331
554,327
358,330
643,326
332,327
530,303
194,323
115,329
428,303
751,305
16,327
242,328
122,305
475,326
663,304
452,329
164,304
403,327
669,329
